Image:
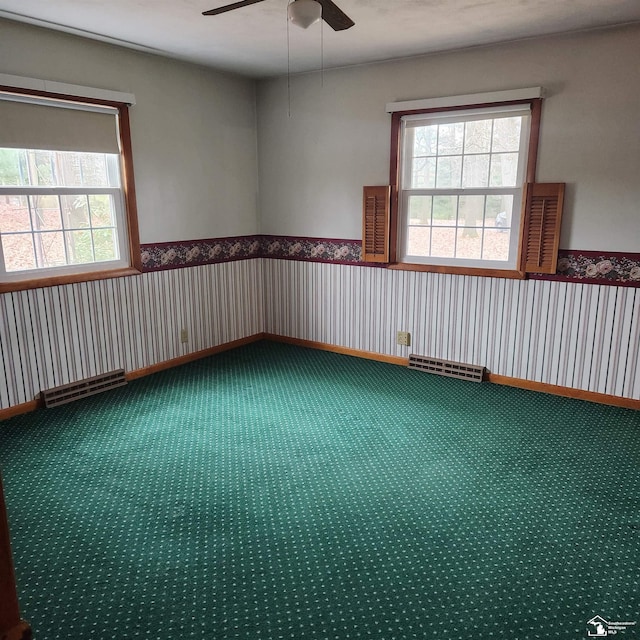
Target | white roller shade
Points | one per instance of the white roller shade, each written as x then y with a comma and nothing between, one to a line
45,125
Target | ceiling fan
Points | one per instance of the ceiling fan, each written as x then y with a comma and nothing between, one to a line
301,12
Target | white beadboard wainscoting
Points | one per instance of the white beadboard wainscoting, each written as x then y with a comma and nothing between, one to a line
581,336
57,335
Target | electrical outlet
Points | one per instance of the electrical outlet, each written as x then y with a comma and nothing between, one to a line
184,336
404,338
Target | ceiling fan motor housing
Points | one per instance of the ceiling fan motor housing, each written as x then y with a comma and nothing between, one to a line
304,13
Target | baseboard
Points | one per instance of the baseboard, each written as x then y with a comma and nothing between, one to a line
26,407
19,409
566,392
346,351
190,357
543,387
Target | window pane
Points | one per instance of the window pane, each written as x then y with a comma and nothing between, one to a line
14,214
449,172
101,208
443,241
79,247
425,141
77,169
50,249
477,136
498,212
69,170
418,241
424,173
94,170
475,172
13,168
469,245
46,213
420,210
41,168
450,138
495,245
445,210
105,244
18,252
504,170
75,211
471,211
506,134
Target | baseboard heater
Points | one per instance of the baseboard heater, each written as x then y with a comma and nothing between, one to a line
447,368
83,388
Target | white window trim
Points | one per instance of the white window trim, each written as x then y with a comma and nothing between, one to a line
511,95
64,89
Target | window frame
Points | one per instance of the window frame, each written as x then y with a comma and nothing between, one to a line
535,105
92,271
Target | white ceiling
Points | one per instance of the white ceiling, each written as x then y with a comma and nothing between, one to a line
253,40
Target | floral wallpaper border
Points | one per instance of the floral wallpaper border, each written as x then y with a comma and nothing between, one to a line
189,253
588,267
596,267
313,249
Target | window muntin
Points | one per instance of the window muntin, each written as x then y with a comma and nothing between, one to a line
461,176
61,213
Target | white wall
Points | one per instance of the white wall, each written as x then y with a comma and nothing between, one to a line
193,129
313,164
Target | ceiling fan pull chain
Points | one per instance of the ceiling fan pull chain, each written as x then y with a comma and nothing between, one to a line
322,54
288,68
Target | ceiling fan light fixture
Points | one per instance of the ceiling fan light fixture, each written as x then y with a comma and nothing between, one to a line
304,13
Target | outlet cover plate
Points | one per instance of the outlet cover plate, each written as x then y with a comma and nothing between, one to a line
404,338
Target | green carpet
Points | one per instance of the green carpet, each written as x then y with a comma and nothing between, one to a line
277,492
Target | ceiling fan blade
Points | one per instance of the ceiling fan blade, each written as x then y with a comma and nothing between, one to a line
230,7
337,19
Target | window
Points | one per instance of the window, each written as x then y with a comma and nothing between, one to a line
65,212
461,179
59,210
462,196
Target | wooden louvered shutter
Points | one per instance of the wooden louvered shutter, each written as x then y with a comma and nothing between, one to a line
375,223
543,214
